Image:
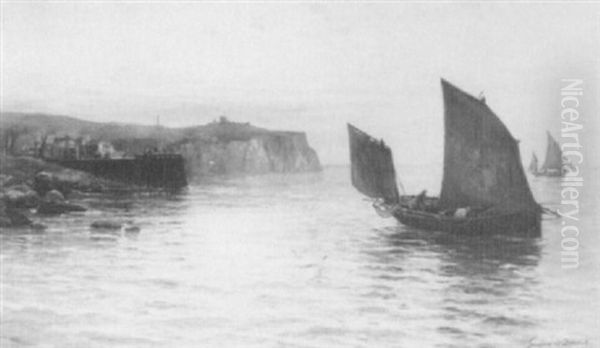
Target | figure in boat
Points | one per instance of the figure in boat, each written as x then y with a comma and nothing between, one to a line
484,188
554,164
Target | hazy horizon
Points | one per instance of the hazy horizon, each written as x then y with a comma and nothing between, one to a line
309,67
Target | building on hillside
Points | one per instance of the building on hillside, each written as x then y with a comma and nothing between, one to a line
65,148
71,148
105,149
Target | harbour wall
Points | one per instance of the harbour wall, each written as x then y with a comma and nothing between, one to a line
151,171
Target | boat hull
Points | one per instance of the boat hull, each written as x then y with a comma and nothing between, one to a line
516,224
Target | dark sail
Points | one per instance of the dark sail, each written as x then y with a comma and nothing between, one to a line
533,165
372,165
482,165
553,161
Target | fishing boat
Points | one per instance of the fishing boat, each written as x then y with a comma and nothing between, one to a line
533,165
484,188
553,163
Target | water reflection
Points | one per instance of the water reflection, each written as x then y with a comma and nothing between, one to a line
466,284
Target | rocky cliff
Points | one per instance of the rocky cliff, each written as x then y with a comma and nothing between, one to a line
217,148
279,152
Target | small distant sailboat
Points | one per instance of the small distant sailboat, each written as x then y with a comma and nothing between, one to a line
533,165
553,163
484,188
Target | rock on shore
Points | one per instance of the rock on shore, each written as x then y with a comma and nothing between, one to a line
54,203
10,216
65,181
21,196
27,183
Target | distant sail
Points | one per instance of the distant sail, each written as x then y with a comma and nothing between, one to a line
553,161
482,165
533,165
373,172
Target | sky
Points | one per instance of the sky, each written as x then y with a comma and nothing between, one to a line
304,66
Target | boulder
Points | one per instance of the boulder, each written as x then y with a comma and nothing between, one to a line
42,183
38,226
107,225
56,208
132,229
12,217
67,180
2,204
5,221
54,203
54,196
21,196
6,180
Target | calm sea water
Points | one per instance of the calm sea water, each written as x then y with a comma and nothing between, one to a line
292,261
